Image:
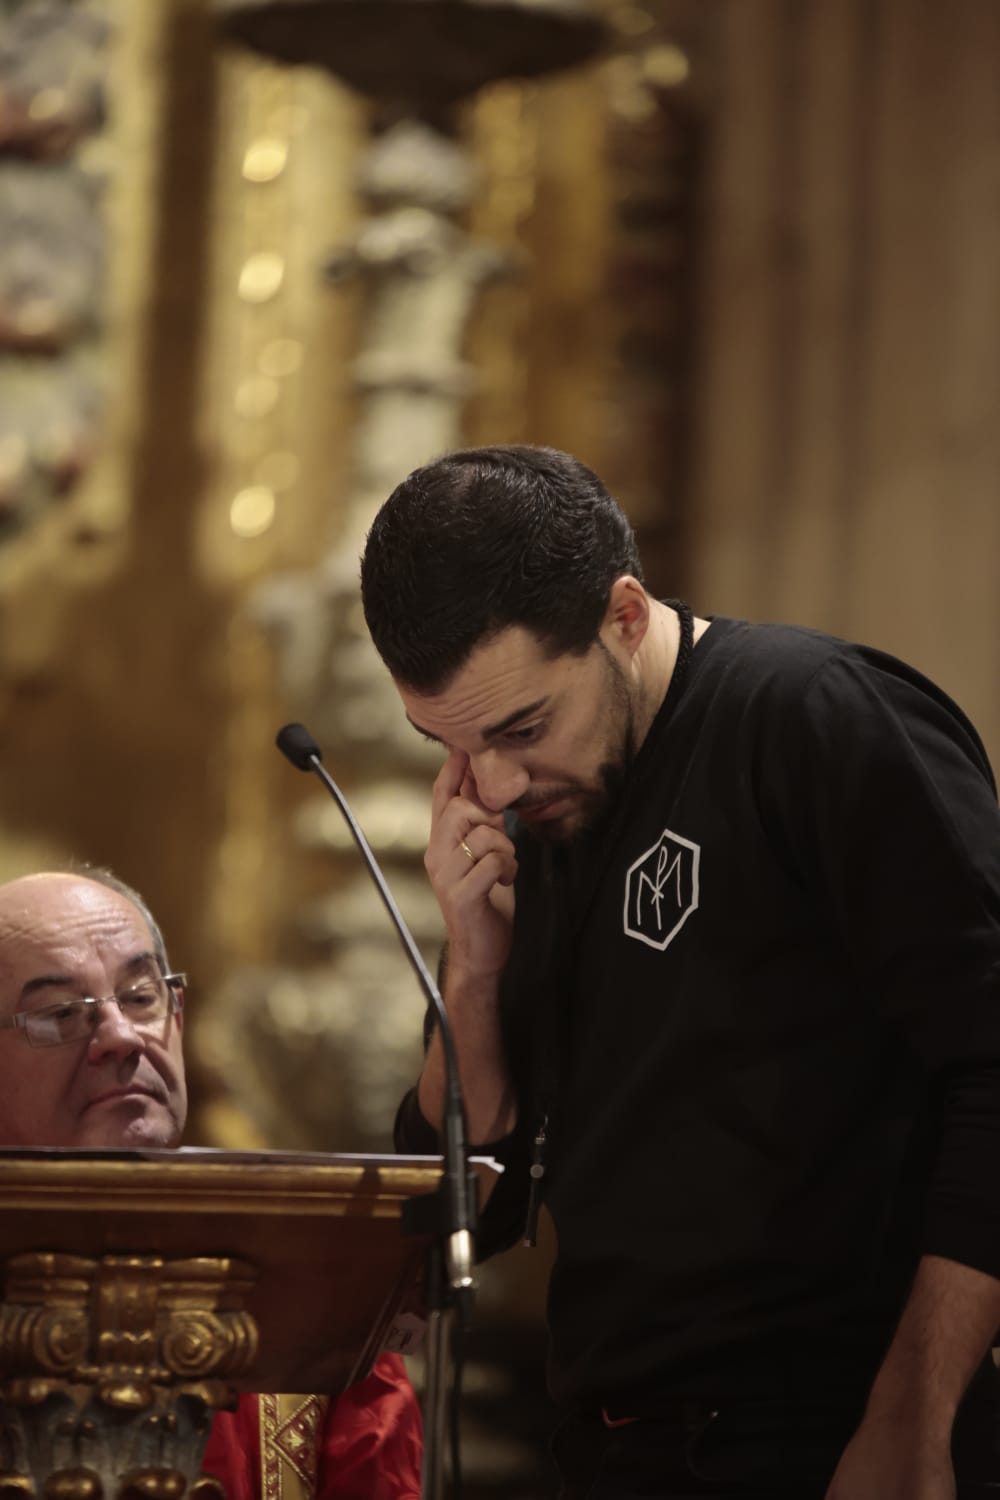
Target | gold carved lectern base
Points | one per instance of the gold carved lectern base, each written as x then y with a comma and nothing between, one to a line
121,1363
143,1292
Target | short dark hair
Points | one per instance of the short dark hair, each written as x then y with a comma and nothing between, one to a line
486,538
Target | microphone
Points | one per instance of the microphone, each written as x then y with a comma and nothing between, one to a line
297,745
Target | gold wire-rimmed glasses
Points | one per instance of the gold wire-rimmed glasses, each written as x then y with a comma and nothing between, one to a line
71,1018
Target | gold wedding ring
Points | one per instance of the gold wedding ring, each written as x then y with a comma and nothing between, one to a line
466,850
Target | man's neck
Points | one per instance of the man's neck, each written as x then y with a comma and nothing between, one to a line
658,661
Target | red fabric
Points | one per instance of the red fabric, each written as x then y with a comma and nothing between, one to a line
370,1447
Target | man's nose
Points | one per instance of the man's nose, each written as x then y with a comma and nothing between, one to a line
113,1034
499,779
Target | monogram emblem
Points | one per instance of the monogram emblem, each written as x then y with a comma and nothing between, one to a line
661,890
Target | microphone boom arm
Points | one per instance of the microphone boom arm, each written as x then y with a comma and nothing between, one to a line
298,746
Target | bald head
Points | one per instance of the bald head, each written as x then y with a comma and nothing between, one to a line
71,936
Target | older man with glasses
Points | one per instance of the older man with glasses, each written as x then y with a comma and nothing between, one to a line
91,1025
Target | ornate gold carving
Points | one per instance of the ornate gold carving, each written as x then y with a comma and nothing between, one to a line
51,252
206,1487
74,1484
16,1487
153,1484
110,1369
289,1447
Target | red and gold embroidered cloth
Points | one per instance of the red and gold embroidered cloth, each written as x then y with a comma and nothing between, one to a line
362,1445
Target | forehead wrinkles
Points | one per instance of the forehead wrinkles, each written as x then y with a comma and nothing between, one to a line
68,934
479,701
74,931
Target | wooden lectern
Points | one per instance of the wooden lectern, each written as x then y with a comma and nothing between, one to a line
141,1291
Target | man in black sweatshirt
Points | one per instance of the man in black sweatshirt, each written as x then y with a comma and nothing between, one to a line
723,914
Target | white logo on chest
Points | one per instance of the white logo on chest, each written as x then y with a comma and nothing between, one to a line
661,890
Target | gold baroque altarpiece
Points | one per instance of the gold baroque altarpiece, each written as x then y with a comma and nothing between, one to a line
259,411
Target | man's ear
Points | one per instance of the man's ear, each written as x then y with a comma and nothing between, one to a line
627,616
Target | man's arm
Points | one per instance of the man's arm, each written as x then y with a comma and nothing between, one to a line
902,1449
897,822
490,1107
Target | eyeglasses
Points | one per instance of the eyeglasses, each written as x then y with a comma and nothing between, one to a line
71,1018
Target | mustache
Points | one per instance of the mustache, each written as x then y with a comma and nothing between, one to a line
529,800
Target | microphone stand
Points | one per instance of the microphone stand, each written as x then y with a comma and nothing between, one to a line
449,1213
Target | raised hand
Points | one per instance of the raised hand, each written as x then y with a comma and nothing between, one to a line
471,865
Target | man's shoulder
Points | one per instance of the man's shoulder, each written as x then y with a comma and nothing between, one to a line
775,656
795,677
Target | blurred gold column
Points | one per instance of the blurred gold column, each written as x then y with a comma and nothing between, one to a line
276,410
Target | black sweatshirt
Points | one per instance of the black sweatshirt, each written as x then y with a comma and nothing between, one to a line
761,1011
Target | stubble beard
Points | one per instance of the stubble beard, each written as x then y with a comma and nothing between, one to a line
597,804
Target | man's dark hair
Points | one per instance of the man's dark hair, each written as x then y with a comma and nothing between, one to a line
485,538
